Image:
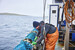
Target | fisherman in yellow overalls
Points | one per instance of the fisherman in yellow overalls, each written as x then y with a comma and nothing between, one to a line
51,32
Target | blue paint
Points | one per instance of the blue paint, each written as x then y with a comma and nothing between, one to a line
58,28
64,23
73,36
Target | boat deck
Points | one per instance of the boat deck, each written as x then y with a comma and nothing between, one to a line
58,46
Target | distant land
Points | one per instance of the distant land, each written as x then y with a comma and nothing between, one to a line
17,14
12,14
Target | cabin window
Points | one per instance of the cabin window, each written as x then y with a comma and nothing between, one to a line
53,11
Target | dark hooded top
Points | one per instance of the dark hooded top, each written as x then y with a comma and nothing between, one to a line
49,28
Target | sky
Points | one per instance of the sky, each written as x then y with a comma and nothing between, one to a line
25,7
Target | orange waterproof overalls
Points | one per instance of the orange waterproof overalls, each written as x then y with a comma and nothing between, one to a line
51,40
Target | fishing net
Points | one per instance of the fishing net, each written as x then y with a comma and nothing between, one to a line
69,10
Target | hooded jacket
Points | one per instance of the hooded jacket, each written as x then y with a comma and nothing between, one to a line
49,29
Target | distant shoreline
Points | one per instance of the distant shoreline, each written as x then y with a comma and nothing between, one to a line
12,14
17,14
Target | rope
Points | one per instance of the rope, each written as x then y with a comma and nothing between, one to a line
69,5
44,3
69,16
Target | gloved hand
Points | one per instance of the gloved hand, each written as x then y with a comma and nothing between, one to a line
34,43
35,38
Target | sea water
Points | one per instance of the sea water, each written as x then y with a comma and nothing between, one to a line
14,28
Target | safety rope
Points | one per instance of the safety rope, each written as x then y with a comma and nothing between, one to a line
44,3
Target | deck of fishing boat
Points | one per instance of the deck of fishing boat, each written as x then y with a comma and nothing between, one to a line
58,46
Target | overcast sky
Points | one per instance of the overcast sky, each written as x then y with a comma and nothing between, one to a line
25,7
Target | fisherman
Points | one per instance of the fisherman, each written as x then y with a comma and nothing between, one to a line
51,32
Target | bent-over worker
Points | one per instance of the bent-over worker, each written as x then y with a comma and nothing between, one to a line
51,32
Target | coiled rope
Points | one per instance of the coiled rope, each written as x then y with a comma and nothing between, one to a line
70,16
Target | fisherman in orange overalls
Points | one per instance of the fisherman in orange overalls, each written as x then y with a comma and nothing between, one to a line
52,35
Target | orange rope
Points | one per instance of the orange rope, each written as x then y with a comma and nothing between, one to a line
69,5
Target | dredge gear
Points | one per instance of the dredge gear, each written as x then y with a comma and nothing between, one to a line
28,43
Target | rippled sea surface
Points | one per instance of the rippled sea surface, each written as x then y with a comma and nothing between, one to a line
13,29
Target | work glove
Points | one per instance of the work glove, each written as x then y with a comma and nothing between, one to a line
34,43
35,38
